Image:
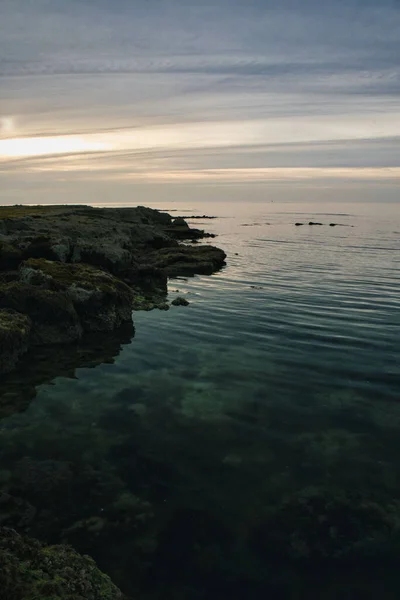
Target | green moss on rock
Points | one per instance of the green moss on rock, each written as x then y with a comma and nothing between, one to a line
32,571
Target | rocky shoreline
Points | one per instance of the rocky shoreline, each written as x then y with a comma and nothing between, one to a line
66,272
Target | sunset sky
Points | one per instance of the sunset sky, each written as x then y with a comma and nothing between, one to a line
139,100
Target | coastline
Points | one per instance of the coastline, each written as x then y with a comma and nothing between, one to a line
66,272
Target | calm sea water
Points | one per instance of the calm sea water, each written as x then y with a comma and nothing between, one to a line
245,446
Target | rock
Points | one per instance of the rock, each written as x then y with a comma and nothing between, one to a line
298,224
15,511
180,230
188,260
332,224
14,337
42,246
314,223
180,222
10,256
77,269
179,301
54,319
110,257
319,525
30,569
101,301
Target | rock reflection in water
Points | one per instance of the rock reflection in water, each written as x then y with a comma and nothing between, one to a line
42,364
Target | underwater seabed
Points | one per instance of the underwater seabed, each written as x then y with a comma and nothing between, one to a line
245,446
192,479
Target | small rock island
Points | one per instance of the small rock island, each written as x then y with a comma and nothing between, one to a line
66,271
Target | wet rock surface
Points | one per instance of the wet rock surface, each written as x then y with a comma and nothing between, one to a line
180,301
30,569
67,271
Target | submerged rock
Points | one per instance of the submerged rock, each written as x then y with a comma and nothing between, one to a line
42,363
14,336
324,525
31,570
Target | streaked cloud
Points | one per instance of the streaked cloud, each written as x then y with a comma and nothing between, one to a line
188,91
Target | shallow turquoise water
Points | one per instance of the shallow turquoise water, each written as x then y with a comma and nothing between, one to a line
182,465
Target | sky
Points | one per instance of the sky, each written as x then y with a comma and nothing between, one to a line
146,100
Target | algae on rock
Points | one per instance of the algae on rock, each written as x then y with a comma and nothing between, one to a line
33,571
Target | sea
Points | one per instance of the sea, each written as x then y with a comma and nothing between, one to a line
245,446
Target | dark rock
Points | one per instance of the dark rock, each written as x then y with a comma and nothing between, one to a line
67,256
197,217
179,222
54,319
322,525
14,338
298,224
15,512
45,246
179,301
314,223
188,260
101,301
30,569
10,256
332,224
110,257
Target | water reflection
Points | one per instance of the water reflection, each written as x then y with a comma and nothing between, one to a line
243,447
43,364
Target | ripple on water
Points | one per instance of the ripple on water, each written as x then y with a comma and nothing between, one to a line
279,381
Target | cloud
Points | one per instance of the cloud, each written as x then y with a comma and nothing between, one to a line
192,85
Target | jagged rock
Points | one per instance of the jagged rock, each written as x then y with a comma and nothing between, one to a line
14,336
31,570
54,319
101,301
188,260
106,256
179,229
179,301
59,265
10,256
